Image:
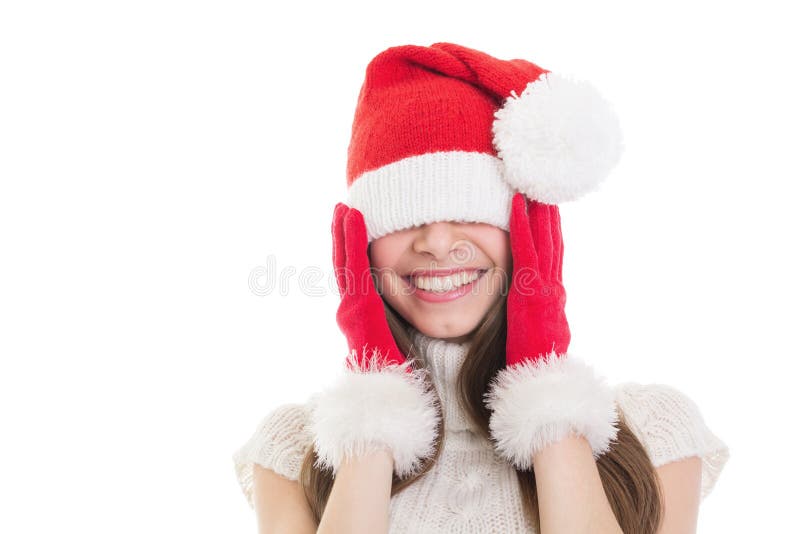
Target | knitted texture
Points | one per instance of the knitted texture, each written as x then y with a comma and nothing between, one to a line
471,489
671,427
279,443
447,132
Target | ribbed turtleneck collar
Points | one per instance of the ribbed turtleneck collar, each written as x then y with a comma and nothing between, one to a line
444,359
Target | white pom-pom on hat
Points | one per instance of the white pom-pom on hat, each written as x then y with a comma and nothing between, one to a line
558,139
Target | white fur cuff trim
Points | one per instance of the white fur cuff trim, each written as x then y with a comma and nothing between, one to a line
539,402
374,406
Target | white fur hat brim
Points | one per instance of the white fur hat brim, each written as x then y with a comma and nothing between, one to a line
371,406
539,402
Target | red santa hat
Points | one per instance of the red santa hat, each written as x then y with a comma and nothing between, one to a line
449,133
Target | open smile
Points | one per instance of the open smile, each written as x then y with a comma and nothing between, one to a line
443,288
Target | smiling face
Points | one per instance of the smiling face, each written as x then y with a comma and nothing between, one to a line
442,277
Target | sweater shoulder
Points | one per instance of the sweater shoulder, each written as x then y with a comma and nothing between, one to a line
280,442
671,427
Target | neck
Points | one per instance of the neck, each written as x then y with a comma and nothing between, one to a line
444,359
465,339
460,339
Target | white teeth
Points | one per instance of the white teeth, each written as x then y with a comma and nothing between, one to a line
442,284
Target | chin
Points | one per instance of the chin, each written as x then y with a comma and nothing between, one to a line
444,329
443,321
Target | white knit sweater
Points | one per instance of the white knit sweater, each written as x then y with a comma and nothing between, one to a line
470,489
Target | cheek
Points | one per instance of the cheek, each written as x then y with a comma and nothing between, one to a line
502,251
499,282
385,252
496,245
507,259
387,282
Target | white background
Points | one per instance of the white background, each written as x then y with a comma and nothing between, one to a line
153,154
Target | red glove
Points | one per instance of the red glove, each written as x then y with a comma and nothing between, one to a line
537,324
381,401
543,394
360,316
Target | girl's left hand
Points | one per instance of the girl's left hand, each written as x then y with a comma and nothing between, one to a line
537,323
543,395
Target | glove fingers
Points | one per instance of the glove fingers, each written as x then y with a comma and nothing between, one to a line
522,248
558,244
353,312
356,246
539,214
339,254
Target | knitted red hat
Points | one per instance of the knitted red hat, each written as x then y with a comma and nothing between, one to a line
448,133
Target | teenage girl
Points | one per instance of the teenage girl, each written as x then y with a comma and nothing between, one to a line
460,408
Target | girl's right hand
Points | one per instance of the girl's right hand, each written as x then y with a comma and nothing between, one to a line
361,315
382,401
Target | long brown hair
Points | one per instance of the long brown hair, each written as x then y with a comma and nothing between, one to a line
628,477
